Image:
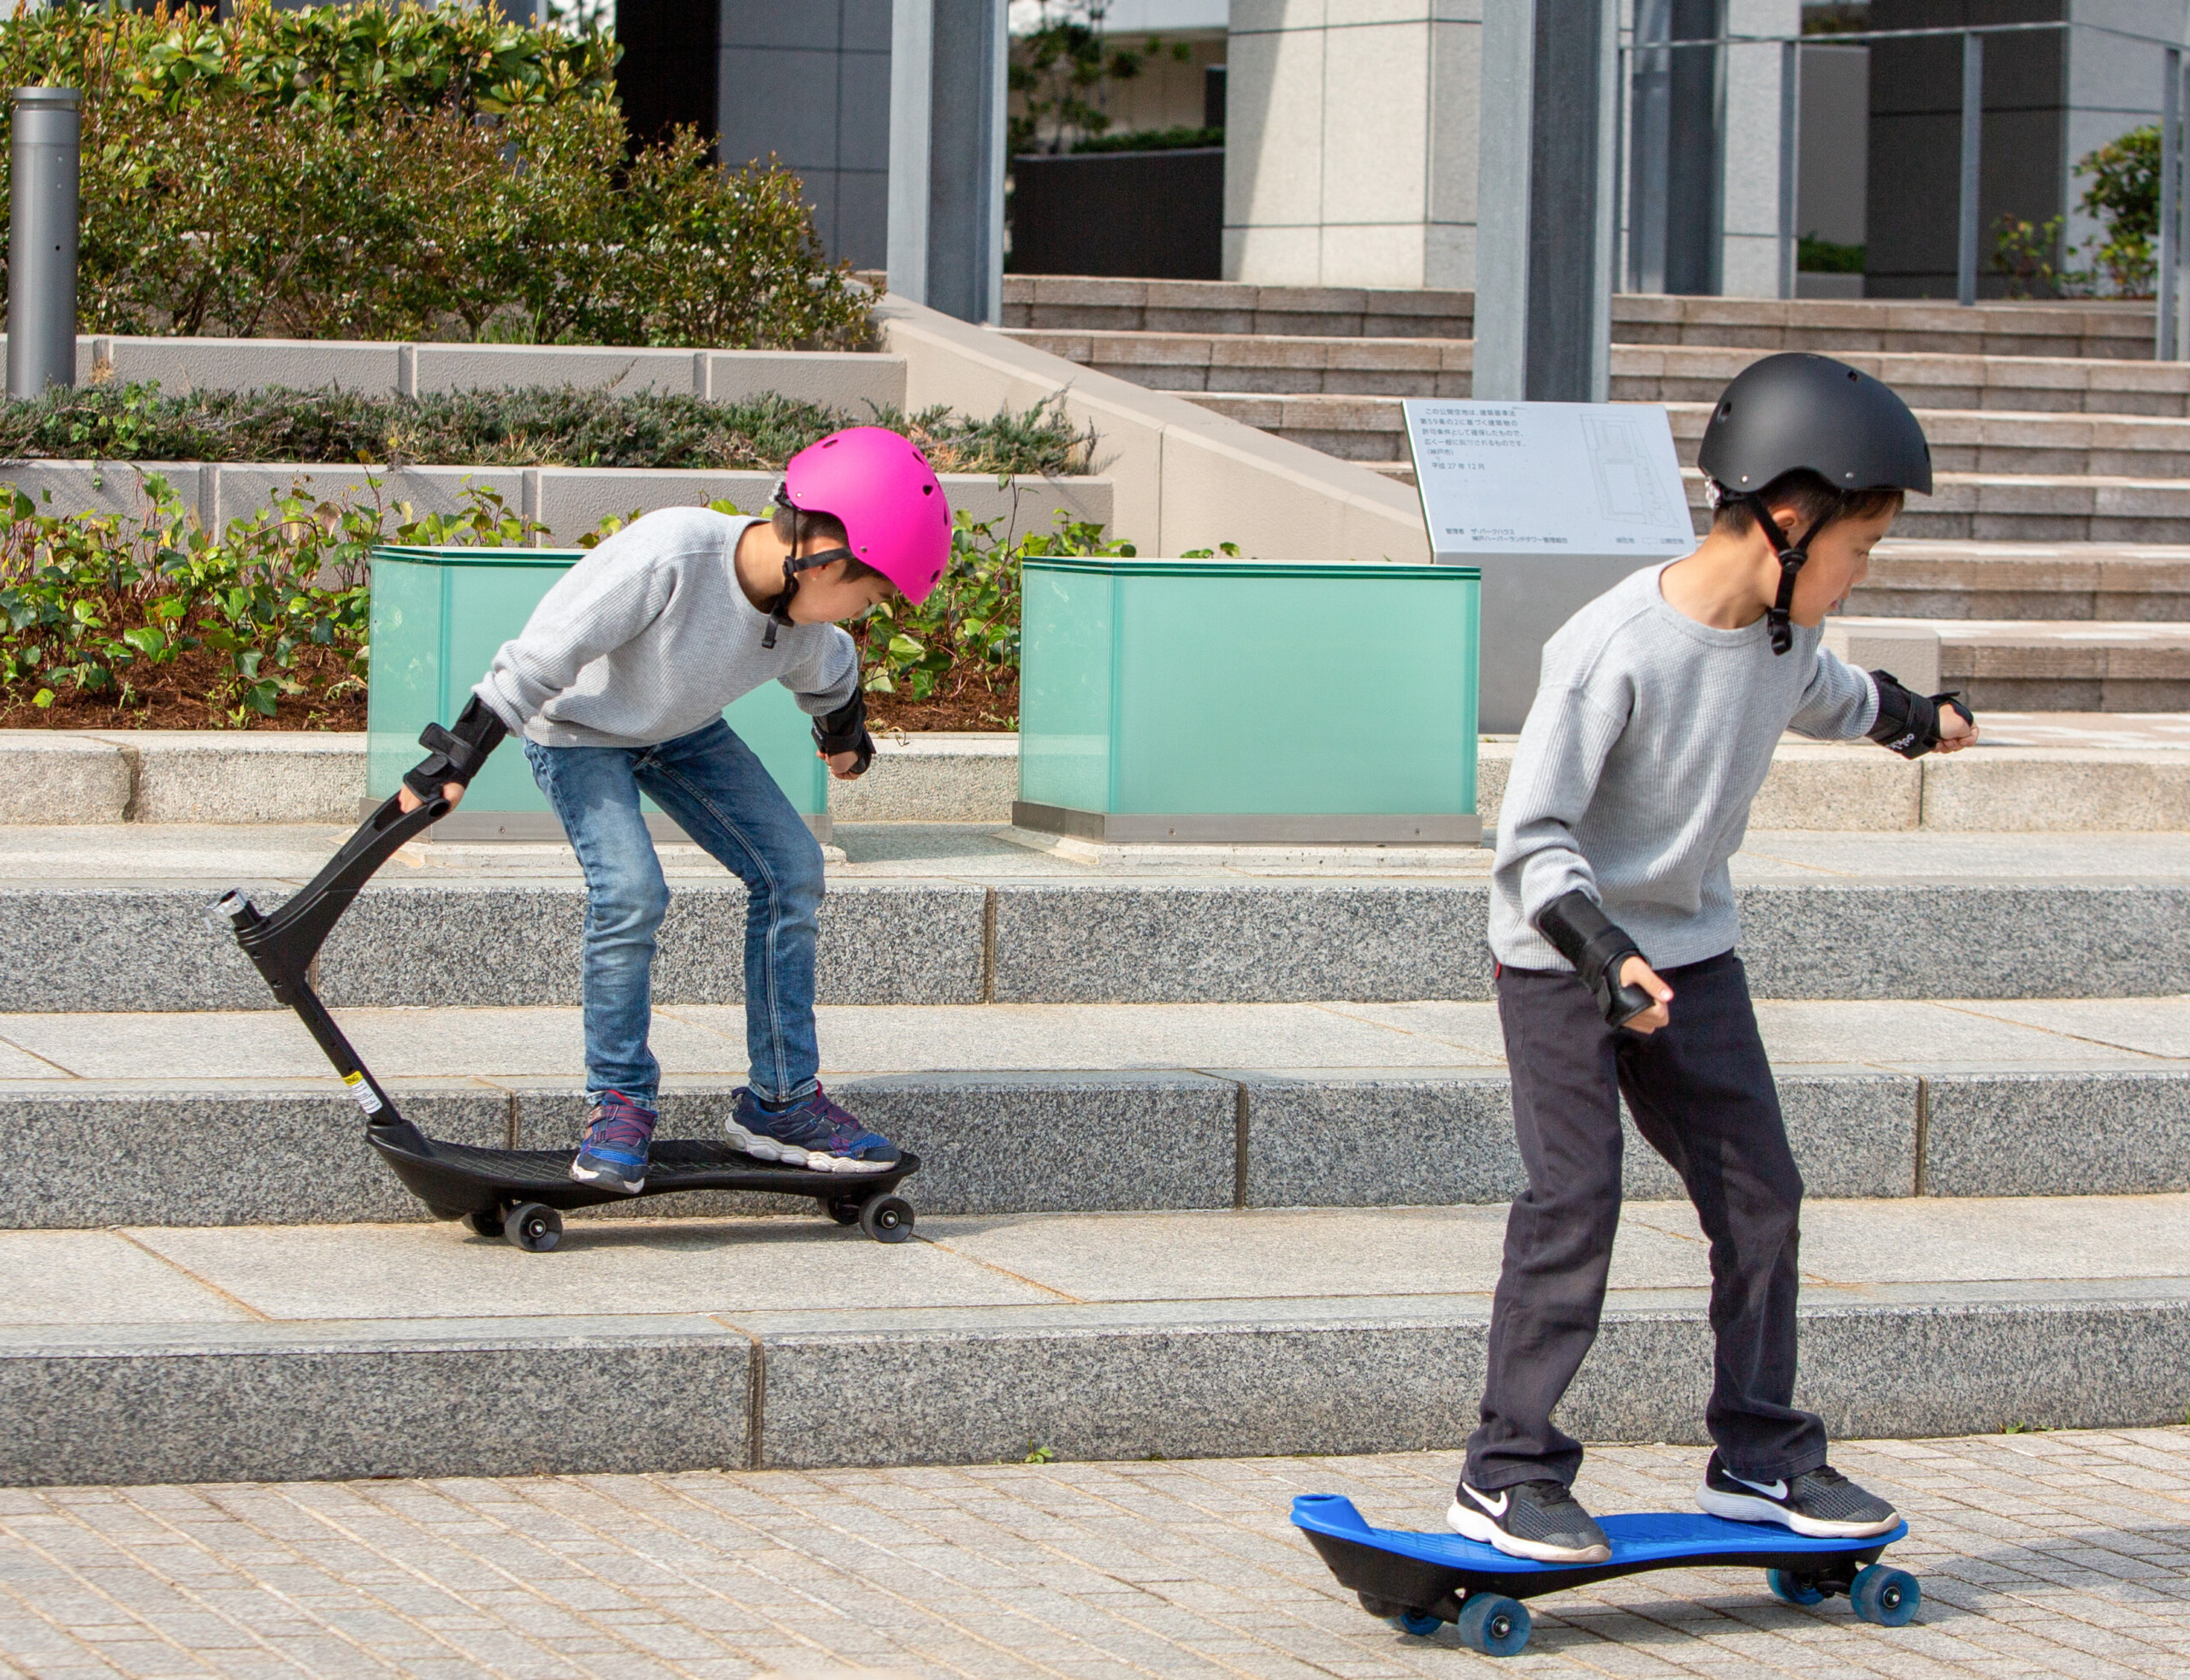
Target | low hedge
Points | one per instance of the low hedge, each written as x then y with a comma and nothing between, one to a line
529,426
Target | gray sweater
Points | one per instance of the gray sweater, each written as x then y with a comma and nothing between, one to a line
1649,735
649,636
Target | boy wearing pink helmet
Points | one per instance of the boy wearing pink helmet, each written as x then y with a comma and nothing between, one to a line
617,685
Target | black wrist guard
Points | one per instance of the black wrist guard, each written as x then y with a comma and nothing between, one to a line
845,731
455,754
1580,931
1908,723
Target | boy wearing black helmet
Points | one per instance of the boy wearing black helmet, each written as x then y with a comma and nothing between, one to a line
1612,921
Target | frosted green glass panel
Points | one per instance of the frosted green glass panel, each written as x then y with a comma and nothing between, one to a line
438,617
1249,688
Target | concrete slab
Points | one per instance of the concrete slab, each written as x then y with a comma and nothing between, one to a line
613,1267
103,1277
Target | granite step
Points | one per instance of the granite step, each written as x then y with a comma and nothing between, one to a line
216,1118
959,914
1979,443
2032,667
1269,363
1934,577
2118,331
142,1355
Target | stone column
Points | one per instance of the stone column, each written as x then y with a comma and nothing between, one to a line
1543,268
1350,142
948,60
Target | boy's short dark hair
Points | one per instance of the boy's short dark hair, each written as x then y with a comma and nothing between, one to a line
1810,495
790,525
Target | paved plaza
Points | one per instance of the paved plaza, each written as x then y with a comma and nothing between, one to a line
2060,1554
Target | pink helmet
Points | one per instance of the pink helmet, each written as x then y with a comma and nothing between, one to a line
882,490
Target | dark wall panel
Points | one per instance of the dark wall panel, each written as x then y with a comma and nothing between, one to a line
1149,215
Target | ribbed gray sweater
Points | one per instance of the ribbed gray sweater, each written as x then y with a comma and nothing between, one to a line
1649,735
649,636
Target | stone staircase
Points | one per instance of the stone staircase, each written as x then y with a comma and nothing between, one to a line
1215,1156
2058,442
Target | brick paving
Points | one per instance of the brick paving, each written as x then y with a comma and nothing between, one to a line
2060,1554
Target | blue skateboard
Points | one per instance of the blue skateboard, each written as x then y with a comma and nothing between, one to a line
1419,1582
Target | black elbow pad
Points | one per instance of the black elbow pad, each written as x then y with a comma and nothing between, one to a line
845,731
1908,723
1579,931
456,753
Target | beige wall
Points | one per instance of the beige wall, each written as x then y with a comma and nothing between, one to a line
1182,477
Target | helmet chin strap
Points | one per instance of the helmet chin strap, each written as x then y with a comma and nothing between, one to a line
779,610
1792,557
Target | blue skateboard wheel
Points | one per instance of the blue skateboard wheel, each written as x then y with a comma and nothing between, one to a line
1496,1626
1792,1588
1889,1597
1419,1623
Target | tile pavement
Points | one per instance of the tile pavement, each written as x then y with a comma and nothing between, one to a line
2060,1554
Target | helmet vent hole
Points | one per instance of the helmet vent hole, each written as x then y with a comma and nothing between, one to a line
927,489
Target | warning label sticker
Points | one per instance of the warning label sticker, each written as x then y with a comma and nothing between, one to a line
366,1098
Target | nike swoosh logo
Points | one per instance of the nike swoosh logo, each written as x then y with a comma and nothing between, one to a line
1505,1499
1770,1490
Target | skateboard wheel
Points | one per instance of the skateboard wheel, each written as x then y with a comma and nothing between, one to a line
1419,1623
1791,1589
1495,1626
532,1227
842,1209
887,1219
1888,1597
487,1222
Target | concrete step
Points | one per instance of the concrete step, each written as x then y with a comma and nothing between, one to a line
1920,577
150,1356
2040,666
1268,363
1968,443
2091,329
233,1118
960,914
2084,777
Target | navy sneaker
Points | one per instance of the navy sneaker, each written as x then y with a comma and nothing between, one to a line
1821,1503
612,1154
814,1133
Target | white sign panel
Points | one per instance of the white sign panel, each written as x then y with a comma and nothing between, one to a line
1548,478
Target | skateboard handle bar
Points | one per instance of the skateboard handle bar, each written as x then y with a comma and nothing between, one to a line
282,946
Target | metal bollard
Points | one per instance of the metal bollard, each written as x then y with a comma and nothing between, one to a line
42,241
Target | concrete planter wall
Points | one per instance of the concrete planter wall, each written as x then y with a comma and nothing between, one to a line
570,501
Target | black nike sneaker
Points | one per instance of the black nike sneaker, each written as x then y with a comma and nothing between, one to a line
1531,1519
1821,1503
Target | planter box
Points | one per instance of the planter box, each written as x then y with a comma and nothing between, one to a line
1248,702
1152,215
438,617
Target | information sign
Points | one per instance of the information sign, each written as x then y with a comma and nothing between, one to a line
1556,502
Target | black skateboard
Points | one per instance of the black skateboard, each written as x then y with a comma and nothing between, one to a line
516,1193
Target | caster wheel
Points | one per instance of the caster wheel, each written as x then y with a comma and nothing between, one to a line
887,1219
1888,1597
532,1227
1495,1626
842,1209
1791,1589
487,1222
1419,1623
1384,1610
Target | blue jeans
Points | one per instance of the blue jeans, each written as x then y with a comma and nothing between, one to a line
726,801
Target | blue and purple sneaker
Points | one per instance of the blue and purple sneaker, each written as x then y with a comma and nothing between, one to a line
814,1132
612,1154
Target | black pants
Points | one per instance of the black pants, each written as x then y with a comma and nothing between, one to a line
1701,1094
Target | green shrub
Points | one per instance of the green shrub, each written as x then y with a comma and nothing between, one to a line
377,171
965,636
1815,256
1152,139
530,426
2124,195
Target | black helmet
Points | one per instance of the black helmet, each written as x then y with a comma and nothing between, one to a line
1799,411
